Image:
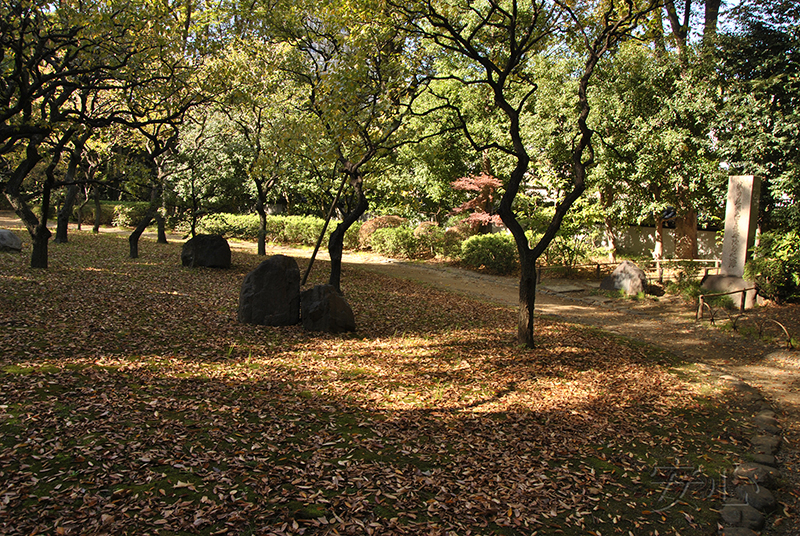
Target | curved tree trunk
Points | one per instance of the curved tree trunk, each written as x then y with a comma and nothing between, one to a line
133,239
336,241
62,226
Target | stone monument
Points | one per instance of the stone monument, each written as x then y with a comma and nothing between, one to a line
741,214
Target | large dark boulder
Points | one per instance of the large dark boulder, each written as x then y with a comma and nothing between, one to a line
720,284
211,251
270,294
9,241
324,309
626,277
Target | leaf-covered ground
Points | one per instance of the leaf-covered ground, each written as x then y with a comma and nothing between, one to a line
132,402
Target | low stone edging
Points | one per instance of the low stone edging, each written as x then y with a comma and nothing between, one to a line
745,512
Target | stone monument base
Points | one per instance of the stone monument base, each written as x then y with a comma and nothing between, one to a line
718,284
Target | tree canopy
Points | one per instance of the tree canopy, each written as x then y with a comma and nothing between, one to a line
635,107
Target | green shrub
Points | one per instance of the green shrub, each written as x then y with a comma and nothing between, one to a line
775,267
370,226
106,213
351,236
129,214
303,230
242,227
431,239
497,252
397,242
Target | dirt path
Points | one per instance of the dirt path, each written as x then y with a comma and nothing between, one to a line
668,323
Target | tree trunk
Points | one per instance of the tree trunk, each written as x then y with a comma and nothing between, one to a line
161,223
98,209
62,226
611,238
41,235
336,241
81,206
711,19
64,215
39,257
606,202
527,299
133,239
262,228
658,247
686,235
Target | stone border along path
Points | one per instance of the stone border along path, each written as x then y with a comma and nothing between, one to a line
764,377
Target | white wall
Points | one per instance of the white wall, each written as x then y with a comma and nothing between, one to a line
641,241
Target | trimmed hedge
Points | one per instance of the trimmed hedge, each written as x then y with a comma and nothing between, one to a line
106,213
302,230
398,242
496,252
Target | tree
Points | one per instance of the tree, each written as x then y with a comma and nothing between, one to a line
696,68
261,108
58,59
75,160
496,42
657,153
361,81
759,124
480,207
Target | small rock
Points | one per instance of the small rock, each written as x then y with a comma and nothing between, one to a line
767,424
211,251
765,444
737,531
757,474
766,414
742,515
270,294
765,459
626,277
9,241
758,497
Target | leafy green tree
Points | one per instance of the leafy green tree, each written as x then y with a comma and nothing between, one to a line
361,78
758,129
656,151
493,45
263,120
694,111
59,58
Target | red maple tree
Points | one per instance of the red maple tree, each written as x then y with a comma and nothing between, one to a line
480,207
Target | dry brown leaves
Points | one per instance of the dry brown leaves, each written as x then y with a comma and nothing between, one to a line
132,402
